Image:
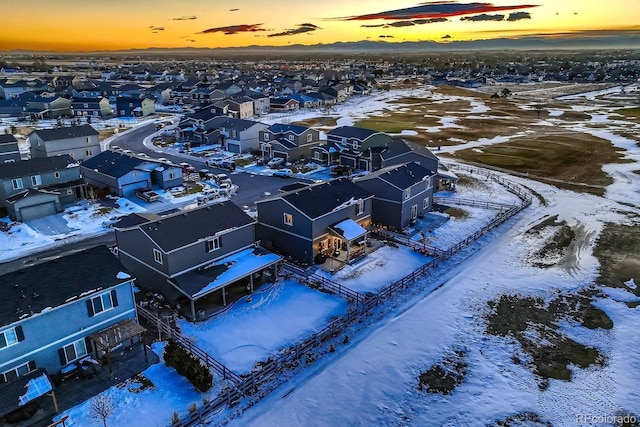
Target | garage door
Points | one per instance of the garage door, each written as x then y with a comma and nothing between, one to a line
129,190
38,211
234,148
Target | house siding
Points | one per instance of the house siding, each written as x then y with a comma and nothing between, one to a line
42,341
76,147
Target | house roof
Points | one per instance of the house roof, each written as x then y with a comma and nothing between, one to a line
48,285
202,281
401,176
319,199
186,227
7,139
352,132
66,132
112,164
399,146
238,124
282,128
36,166
130,220
28,193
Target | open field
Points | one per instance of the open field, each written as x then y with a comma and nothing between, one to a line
617,251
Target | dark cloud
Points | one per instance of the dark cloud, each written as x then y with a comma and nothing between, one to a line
234,29
398,24
372,25
446,36
184,18
155,29
439,9
483,17
234,10
382,36
429,21
517,16
405,23
300,29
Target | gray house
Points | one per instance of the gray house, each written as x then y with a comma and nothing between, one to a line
346,143
39,187
402,193
9,151
80,142
241,136
329,218
123,174
288,141
55,313
193,254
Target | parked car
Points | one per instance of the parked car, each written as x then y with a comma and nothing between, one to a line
276,163
340,170
229,165
147,194
263,160
222,177
225,187
187,168
283,173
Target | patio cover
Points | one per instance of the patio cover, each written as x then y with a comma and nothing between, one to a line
349,229
116,334
202,281
17,393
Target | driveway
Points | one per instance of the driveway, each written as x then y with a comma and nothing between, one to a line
50,225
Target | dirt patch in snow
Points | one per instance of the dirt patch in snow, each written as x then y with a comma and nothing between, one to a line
444,376
533,323
617,249
528,419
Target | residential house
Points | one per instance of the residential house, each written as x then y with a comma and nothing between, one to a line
330,219
10,90
80,142
284,103
55,314
225,90
48,107
240,107
9,151
261,103
39,187
192,254
134,107
90,107
345,144
240,135
288,141
402,193
123,174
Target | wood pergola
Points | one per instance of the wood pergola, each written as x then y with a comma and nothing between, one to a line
112,336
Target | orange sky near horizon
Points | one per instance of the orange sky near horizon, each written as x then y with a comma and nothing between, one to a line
72,25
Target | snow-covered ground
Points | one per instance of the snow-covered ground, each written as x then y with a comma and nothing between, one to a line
378,269
153,406
275,318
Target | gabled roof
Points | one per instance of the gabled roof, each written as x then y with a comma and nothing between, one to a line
30,290
285,143
399,146
238,124
186,227
112,164
36,166
352,132
320,199
28,193
400,176
66,132
283,128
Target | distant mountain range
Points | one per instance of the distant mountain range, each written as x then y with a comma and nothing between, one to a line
623,41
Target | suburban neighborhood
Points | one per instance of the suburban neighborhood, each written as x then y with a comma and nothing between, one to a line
256,219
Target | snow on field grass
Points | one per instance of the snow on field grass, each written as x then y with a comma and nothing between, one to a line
274,319
377,269
135,403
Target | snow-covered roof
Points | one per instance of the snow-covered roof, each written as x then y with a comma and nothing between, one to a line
349,229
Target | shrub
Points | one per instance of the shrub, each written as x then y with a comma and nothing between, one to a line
188,365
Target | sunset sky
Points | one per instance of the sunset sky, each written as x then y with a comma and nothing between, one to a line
83,25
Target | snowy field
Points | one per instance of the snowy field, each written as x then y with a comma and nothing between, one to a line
152,406
378,269
274,319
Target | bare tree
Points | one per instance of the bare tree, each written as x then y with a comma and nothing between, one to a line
101,407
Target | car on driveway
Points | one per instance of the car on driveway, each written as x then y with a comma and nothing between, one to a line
276,163
283,173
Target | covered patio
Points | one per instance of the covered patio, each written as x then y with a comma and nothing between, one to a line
350,241
109,338
201,283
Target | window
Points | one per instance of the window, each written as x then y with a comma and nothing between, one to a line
172,175
317,155
414,211
56,174
18,371
157,256
265,136
360,207
288,219
234,134
16,183
428,183
36,180
86,105
425,203
290,137
407,193
11,336
87,153
103,302
213,244
73,351
69,191
309,138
